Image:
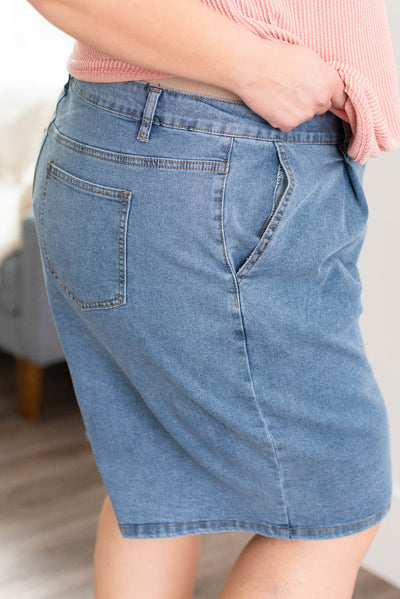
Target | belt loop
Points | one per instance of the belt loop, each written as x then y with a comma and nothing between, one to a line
148,113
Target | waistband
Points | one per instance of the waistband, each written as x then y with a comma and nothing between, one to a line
188,110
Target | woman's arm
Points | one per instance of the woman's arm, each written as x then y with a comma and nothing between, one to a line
184,38
285,84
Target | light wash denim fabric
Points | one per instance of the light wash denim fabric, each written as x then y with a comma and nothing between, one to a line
201,270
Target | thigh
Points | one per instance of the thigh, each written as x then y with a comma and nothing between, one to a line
296,569
131,568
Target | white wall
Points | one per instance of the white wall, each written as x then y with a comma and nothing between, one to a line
379,265
33,52
33,56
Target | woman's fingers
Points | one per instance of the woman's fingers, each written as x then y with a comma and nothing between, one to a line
339,96
292,85
339,100
340,112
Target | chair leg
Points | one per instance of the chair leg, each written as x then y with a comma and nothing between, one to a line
29,383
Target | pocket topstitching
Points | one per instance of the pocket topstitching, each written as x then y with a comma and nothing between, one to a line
282,192
83,228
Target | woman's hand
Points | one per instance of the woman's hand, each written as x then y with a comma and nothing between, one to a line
289,84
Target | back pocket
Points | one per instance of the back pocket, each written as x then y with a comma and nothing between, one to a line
83,229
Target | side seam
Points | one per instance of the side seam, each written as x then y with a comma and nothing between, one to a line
272,441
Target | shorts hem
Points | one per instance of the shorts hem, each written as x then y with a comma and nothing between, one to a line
154,531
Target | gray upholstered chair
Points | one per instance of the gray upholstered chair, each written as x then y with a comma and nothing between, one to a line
27,329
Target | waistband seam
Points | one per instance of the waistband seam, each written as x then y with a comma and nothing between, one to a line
157,121
261,137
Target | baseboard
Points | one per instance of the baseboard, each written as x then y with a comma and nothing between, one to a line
382,558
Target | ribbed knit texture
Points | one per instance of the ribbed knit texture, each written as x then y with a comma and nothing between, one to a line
353,36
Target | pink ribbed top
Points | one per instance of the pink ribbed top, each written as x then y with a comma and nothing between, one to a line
351,35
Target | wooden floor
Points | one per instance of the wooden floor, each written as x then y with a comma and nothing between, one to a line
50,498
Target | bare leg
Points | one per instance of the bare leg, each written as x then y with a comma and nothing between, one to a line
269,568
137,568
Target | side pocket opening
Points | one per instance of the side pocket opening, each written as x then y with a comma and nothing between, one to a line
282,192
281,180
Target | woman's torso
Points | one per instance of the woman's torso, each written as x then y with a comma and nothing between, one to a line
353,37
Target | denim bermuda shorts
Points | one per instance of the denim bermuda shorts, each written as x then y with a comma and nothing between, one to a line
200,266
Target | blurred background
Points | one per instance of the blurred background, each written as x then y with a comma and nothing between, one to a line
51,492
